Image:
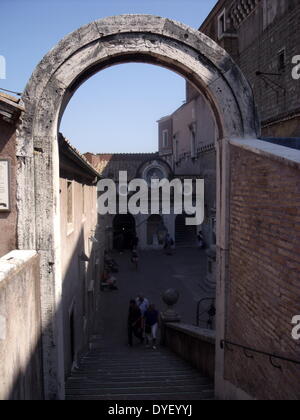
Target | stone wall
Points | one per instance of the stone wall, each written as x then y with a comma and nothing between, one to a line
193,344
20,327
264,269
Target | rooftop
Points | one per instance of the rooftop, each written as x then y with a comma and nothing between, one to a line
66,147
10,108
126,156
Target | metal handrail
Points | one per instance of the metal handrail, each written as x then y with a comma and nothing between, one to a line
210,312
226,343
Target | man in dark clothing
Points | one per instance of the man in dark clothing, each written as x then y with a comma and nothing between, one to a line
135,242
151,325
134,323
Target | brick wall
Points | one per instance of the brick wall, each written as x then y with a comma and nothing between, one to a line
274,95
272,26
264,274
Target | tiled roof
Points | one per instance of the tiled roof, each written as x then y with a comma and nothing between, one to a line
66,145
10,107
126,156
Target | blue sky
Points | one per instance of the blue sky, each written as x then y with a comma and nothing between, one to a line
117,109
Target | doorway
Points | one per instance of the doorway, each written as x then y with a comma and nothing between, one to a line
124,231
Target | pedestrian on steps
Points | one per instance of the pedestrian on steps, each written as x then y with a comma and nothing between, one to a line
151,318
134,323
143,304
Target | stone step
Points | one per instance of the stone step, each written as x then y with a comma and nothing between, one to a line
136,374
132,378
114,377
137,383
133,366
183,396
140,389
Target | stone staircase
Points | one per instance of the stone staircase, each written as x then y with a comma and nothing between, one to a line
186,236
135,374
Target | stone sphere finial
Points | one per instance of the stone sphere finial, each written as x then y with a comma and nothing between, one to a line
170,297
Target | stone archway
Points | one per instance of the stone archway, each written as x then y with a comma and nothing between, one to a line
103,43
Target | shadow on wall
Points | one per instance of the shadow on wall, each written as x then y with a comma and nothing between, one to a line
78,307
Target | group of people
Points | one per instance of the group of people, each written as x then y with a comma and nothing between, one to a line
143,321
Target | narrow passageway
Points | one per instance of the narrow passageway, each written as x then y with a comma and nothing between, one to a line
112,370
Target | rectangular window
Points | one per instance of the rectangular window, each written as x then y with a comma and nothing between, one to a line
4,185
222,24
70,209
165,136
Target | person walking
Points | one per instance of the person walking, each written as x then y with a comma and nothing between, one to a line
135,258
168,244
151,317
143,304
200,238
135,242
134,323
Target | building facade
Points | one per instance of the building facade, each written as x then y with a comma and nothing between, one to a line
151,228
187,141
10,111
81,269
81,250
263,38
120,229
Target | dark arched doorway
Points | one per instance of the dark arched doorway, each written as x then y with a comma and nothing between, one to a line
184,235
123,231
